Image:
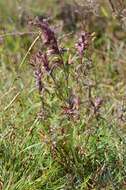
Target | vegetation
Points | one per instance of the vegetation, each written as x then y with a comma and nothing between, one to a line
62,95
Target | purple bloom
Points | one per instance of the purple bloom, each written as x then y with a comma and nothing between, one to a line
83,43
36,63
44,60
38,75
97,104
48,37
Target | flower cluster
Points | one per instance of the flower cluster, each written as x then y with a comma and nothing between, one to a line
51,56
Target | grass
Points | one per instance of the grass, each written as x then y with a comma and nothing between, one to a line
41,146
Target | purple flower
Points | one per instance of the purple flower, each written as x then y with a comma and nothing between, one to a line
44,60
83,43
97,104
48,37
38,75
36,63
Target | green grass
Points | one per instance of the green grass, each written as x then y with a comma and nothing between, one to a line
57,152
